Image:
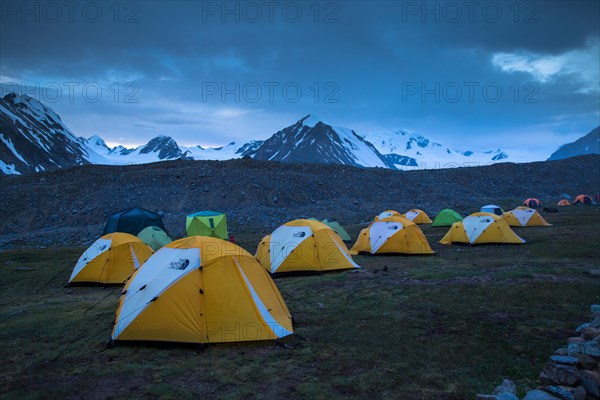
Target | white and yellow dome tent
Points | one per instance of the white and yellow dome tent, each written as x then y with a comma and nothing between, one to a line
112,259
303,245
492,209
394,234
418,216
386,214
479,228
201,290
524,216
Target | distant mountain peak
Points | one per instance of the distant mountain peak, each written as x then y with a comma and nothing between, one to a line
500,155
411,148
311,120
31,105
161,139
16,98
96,141
35,139
310,140
165,146
587,144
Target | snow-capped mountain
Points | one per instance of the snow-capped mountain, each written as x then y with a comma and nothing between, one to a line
312,141
588,144
157,149
33,138
162,148
232,150
408,149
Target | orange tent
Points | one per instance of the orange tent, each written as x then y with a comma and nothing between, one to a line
564,202
583,199
532,202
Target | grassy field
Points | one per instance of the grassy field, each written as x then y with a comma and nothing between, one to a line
439,327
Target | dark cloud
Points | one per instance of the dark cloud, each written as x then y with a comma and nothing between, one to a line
352,61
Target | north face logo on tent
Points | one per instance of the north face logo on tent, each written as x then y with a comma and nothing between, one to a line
180,265
393,227
300,234
102,247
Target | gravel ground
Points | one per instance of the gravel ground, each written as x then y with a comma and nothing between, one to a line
69,207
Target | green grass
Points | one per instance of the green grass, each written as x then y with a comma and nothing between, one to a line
438,327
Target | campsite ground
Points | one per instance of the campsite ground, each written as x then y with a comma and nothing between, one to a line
68,207
439,327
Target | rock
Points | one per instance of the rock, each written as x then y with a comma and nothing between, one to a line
74,211
591,382
586,361
595,308
575,339
590,332
595,323
507,396
578,393
486,397
558,392
582,327
558,374
566,360
507,386
590,348
539,395
595,375
562,351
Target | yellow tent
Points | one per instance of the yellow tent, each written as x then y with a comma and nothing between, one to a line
201,290
481,227
418,216
524,216
393,234
111,259
303,245
387,214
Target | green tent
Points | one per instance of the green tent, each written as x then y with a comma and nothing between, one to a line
207,223
154,237
338,229
446,217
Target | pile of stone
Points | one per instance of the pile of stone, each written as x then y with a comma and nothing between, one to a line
506,391
572,372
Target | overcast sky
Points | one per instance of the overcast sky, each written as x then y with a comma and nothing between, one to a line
470,74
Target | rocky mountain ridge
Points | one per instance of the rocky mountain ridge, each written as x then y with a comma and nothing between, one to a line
33,138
